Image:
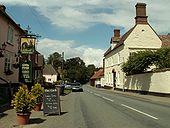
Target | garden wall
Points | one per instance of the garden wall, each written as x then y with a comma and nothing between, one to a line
158,82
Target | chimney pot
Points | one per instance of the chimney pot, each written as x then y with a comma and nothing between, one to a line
2,7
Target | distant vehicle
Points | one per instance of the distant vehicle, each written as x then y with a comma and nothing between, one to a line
68,86
76,87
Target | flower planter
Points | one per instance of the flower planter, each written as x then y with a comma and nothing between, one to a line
23,118
38,107
15,65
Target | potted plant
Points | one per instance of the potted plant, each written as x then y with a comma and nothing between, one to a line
23,102
37,91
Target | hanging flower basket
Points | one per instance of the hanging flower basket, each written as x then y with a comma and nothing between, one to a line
15,65
1,55
8,72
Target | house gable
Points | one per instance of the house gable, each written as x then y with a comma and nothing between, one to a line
143,36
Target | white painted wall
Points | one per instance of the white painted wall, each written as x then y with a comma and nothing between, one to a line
143,36
152,82
50,78
100,81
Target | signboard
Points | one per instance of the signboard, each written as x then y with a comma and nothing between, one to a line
27,45
51,101
26,72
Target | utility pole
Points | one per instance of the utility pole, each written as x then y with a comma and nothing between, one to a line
62,67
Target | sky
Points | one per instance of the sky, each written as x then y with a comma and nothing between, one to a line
83,28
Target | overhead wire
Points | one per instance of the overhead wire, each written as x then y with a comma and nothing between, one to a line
36,17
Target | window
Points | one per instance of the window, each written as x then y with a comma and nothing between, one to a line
10,35
118,58
7,66
49,79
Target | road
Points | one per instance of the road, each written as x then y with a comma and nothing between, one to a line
95,108
98,108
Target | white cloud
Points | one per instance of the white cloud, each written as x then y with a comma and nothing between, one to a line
88,55
82,14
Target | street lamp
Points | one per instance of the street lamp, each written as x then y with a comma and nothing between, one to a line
2,49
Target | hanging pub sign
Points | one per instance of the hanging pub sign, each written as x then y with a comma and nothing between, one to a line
27,45
26,72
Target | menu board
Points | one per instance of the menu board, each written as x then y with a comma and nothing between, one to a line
51,101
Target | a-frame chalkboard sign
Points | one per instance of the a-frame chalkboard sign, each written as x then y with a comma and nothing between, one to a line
51,100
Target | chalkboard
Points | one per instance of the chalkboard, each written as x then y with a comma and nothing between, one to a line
51,101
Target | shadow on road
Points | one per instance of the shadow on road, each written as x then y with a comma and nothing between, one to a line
2,115
36,120
62,113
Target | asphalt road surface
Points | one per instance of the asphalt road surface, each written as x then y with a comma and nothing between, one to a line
98,108
95,108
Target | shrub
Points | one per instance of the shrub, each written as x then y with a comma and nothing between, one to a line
37,91
23,100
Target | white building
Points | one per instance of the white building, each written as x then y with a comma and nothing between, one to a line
50,74
140,37
97,79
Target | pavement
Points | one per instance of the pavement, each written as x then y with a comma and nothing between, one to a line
38,120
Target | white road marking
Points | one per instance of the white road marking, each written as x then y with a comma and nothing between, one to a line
107,99
139,111
97,94
91,92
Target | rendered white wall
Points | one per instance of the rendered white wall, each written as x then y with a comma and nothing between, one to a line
152,82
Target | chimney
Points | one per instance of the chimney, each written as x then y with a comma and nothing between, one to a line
2,7
116,32
115,39
141,17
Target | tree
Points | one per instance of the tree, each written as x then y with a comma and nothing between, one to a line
90,70
163,58
139,62
76,70
55,59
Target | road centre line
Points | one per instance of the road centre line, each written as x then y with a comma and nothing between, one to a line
139,111
107,99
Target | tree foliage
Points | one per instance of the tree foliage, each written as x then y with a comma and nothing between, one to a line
163,60
74,69
140,61
55,59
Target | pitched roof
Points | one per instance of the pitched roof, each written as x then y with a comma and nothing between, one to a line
165,40
2,12
49,70
98,74
121,41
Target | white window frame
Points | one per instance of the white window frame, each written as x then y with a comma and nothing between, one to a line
10,35
8,63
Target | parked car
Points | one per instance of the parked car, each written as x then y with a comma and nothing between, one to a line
68,86
76,87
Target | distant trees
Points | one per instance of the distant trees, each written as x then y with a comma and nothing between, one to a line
74,69
55,59
140,61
